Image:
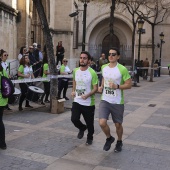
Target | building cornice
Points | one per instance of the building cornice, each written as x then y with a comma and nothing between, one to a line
8,9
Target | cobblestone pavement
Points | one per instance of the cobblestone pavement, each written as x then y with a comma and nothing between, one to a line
38,140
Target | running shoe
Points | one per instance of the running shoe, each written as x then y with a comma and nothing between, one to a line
108,143
118,147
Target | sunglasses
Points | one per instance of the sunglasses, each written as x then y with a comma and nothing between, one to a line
112,54
6,55
65,61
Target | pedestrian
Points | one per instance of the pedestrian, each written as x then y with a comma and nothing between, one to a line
103,60
156,67
63,82
59,53
145,69
169,69
5,65
92,64
39,57
22,51
32,59
116,78
3,103
24,72
85,83
46,83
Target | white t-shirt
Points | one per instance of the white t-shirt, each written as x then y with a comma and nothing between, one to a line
19,57
84,85
28,70
5,66
117,75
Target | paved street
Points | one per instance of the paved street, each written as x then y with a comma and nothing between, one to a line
38,140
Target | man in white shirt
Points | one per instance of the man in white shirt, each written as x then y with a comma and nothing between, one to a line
85,83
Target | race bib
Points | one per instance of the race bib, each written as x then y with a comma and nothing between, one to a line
80,92
109,92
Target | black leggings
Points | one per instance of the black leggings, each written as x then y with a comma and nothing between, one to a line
88,114
24,89
2,128
62,85
46,91
59,58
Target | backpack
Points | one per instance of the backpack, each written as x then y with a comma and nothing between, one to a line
7,87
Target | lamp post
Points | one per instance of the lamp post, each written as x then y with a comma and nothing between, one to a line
162,41
84,20
84,24
140,31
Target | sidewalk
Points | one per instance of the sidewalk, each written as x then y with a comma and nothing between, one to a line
38,140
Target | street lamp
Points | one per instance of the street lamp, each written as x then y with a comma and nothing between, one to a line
140,31
84,20
161,35
84,24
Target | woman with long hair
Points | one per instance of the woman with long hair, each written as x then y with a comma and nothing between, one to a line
22,51
46,83
3,103
24,72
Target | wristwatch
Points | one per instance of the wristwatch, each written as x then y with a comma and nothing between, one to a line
117,86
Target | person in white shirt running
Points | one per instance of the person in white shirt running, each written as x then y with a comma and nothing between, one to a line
116,78
85,83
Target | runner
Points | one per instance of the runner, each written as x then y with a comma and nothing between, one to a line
85,83
116,78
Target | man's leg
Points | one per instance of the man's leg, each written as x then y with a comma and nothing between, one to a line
104,112
105,128
88,114
119,130
75,118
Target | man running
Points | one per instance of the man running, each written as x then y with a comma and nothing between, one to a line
116,78
85,83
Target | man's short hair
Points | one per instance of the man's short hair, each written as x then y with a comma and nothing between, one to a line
87,53
116,49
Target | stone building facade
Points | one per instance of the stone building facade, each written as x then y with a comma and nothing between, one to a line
20,25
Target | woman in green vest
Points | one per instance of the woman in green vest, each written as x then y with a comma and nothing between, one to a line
3,103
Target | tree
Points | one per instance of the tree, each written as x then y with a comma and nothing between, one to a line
49,47
132,7
153,12
112,10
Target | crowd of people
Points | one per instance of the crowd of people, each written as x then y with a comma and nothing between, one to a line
113,80
85,85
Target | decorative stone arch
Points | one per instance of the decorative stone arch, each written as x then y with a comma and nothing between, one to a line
98,29
102,17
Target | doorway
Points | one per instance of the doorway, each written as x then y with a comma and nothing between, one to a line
106,42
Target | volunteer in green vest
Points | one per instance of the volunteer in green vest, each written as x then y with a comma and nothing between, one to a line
24,72
63,82
3,103
46,83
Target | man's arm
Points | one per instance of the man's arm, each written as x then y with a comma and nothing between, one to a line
73,89
126,85
100,89
94,90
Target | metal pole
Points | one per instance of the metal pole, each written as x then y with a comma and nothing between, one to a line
160,57
139,44
84,26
